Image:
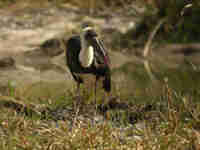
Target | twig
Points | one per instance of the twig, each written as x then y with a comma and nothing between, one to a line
153,33
148,69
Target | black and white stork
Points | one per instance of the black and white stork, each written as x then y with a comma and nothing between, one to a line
85,54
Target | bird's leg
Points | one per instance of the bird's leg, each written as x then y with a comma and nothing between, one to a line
106,98
77,103
95,93
78,93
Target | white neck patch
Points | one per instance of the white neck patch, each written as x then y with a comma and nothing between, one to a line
86,56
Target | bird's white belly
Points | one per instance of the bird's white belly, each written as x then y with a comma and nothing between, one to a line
86,56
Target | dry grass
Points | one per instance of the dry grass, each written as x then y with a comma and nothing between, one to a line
174,127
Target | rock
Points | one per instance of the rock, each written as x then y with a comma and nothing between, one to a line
7,62
52,47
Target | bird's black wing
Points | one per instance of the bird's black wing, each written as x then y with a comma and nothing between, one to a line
73,47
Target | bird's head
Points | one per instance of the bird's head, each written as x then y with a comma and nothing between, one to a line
88,34
90,38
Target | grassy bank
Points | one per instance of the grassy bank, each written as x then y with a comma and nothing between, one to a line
170,121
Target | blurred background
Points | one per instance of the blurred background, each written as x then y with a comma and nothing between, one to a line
165,34
154,49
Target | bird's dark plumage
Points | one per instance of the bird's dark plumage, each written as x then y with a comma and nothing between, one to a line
100,65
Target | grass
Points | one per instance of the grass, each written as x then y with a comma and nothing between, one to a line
169,121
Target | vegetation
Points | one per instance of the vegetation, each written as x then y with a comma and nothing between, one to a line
181,21
180,24
169,121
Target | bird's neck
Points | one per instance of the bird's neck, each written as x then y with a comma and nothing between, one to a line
86,55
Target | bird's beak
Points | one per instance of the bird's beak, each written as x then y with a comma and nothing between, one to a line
101,50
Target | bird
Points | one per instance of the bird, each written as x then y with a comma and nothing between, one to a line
86,54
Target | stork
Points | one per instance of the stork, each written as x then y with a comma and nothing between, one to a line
85,54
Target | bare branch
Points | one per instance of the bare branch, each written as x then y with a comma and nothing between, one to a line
153,33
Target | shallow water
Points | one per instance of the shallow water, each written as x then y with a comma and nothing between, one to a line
137,80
